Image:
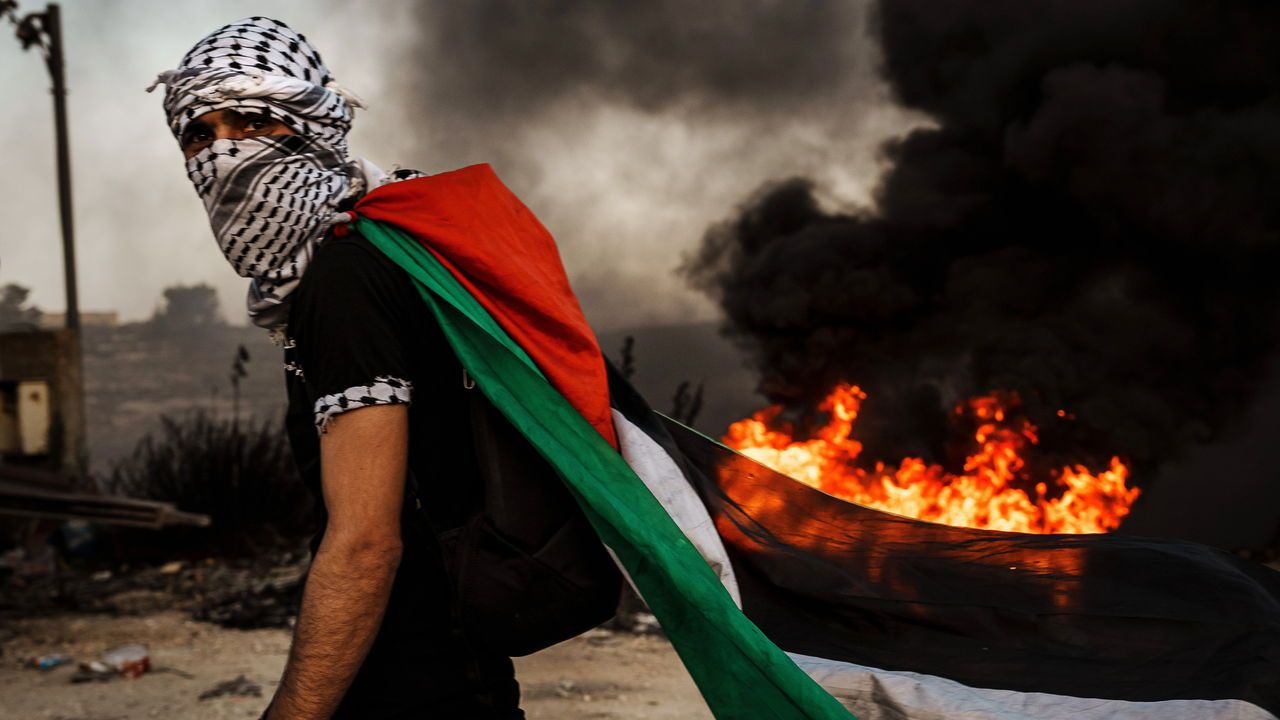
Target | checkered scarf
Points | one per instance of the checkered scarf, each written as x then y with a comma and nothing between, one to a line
270,200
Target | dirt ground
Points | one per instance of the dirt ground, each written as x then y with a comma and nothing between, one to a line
602,675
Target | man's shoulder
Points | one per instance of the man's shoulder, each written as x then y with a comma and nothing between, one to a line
351,264
349,278
344,255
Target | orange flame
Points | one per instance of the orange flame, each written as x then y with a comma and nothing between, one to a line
985,495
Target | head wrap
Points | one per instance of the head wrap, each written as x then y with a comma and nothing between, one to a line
270,199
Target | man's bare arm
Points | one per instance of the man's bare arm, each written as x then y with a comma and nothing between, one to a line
362,465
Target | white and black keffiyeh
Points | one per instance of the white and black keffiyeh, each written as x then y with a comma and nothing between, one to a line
270,199
263,65
384,390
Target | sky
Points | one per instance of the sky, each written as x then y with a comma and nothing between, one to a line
628,137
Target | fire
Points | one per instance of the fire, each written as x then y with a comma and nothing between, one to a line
994,491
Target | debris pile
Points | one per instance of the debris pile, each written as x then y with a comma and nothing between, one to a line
243,594
254,601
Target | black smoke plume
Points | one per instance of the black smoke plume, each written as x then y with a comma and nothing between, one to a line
1091,220
496,67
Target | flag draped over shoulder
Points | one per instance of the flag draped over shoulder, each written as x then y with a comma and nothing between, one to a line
784,602
507,261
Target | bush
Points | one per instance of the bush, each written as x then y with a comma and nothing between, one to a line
188,307
240,474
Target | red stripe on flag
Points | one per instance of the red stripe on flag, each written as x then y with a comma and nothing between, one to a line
507,260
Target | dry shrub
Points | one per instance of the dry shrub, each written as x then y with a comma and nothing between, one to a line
240,474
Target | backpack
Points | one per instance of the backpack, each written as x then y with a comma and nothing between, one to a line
528,570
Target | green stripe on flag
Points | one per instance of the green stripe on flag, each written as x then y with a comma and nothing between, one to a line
740,673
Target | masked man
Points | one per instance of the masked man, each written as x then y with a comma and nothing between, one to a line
374,389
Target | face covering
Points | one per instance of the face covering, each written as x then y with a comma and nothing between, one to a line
270,200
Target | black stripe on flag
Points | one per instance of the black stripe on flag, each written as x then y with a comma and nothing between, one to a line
1088,616
906,619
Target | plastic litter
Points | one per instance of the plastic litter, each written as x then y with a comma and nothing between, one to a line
47,662
79,538
93,671
131,661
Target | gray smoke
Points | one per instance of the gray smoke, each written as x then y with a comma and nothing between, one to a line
1091,221
508,58
628,128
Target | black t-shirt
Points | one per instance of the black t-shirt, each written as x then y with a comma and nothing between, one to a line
360,334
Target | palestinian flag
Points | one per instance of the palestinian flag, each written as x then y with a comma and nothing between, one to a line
784,602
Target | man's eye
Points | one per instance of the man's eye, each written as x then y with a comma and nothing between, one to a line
197,136
260,122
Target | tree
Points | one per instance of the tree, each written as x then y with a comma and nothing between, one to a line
187,306
14,309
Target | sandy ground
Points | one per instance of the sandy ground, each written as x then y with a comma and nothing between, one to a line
601,675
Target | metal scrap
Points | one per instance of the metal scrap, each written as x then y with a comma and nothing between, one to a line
38,493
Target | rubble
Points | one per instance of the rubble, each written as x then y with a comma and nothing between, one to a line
240,687
271,601
244,594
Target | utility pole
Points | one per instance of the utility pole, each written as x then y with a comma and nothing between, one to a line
44,30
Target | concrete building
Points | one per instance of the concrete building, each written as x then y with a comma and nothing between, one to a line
41,413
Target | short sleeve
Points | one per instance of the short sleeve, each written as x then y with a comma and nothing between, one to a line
347,327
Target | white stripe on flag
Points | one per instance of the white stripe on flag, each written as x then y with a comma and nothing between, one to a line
672,489
873,694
